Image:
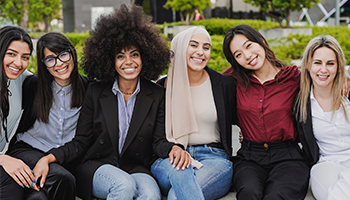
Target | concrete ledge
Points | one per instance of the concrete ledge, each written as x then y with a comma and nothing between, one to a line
232,196
284,32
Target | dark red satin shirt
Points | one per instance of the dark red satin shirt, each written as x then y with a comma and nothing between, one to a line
265,110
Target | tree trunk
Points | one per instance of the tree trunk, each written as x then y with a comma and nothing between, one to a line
288,17
24,19
275,17
46,23
182,17
187,17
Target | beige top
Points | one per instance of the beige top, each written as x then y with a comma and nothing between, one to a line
180,121
205,114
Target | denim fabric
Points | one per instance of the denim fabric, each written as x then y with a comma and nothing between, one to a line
213,179
111,183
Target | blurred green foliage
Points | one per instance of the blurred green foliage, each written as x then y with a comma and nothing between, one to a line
286,49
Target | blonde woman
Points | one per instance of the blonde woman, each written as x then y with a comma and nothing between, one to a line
322,116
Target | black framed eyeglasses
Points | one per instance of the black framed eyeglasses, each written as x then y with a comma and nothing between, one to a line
51,61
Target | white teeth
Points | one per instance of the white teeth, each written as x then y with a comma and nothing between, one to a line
197,60
14,69
61,70
253,60
129,69
322,76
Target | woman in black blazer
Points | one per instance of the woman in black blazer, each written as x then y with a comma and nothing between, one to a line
323,118
121,126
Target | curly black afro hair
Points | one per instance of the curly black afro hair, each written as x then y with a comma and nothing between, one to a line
126,27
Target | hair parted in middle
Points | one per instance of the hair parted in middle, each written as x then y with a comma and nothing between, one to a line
55,42
300,108
126,27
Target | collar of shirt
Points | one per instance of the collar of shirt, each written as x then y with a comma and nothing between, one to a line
57,88
116,89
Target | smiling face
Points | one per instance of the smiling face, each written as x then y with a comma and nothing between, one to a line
62,70
248,54
128,64
198,52
324,67
16,59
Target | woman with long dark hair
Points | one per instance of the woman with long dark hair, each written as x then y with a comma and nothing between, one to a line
51,101
15,50
269,164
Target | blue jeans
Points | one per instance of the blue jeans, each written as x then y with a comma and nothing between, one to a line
211,181
112,183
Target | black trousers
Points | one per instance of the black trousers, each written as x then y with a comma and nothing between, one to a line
59,184
270,171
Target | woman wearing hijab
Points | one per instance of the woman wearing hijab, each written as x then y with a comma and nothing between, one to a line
200,109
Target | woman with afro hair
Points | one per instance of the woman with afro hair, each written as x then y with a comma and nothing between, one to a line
120,131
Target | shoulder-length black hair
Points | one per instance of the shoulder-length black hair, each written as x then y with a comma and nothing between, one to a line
126,27
239,72
8,34
56,42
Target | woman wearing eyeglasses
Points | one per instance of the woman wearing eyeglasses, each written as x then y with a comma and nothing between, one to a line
51,100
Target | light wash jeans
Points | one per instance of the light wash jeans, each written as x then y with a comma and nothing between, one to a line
112,183
211,181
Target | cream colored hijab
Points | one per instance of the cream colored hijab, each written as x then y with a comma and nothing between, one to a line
180,120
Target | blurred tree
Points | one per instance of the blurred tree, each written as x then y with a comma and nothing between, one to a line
279,8
44,11
188,7
20,12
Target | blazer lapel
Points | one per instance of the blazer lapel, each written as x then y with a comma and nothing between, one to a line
109,105
142,106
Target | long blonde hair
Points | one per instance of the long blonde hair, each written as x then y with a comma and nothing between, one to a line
305,83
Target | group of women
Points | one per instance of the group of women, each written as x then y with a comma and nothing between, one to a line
116,134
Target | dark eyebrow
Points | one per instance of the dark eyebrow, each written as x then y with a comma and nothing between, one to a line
134,51
198,42
17,51
242,45
12,50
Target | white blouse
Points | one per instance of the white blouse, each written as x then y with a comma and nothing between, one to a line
332,132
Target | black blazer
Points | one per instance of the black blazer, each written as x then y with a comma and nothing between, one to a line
307,137
224,93
97,134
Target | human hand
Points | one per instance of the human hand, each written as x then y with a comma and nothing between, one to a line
346,87
179,158
19,171
41,168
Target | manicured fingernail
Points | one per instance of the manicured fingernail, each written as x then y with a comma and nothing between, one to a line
27,186
32,184
22,186
34,181
32,171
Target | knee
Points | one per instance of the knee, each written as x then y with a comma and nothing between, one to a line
250,192
125,186
66,178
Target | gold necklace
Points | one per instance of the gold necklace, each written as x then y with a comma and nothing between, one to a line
126,93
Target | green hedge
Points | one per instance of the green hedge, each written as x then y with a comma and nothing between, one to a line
293,46
286,49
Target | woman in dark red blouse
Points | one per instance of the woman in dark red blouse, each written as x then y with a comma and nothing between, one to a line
269,164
